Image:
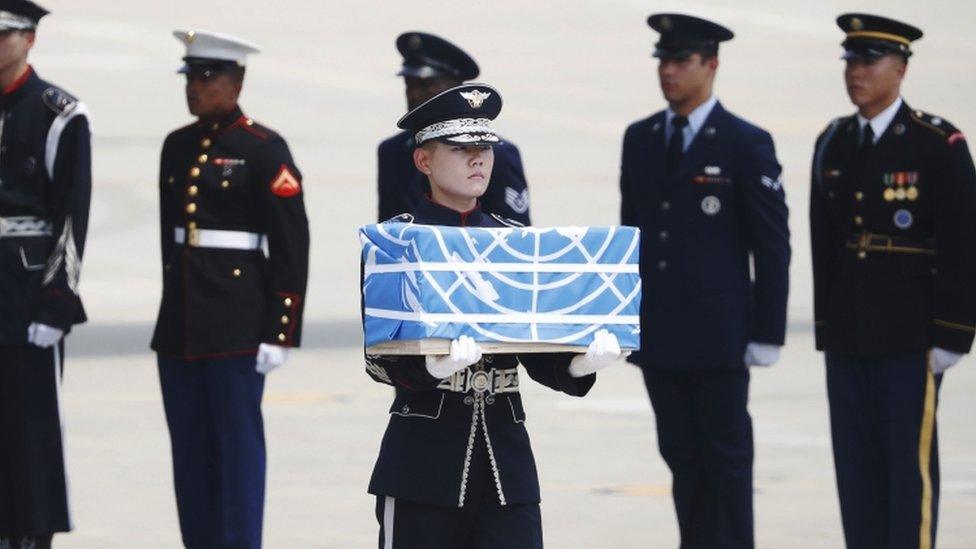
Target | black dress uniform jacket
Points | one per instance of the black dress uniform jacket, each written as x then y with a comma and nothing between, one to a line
699,225
233,175
401,187
45,186
893,238
427,448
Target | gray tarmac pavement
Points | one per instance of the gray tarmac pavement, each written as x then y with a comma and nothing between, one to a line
603,483
573,73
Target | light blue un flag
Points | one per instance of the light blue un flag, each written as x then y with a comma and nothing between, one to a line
556,285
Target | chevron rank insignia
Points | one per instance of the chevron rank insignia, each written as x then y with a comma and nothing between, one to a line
517,201
285,184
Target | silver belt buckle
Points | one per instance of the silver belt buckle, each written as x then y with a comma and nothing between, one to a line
480,381
193,237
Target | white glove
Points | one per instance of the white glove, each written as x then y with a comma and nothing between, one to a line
761,354
941,360
270,357
465,351
602,352
43,336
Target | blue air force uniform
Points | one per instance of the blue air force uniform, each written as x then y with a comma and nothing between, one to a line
891,217
400,187
45,192
234,242
707,194
455,468
453,454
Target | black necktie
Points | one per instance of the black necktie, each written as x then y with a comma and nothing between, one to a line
867,137
676,146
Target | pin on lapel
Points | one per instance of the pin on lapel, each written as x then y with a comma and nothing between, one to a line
711,205
903,219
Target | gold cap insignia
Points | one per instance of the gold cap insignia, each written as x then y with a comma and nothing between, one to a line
189,37
666,23
475,98
415,41
857,24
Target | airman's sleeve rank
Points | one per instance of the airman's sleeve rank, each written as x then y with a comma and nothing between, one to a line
285,184
59,101
507,222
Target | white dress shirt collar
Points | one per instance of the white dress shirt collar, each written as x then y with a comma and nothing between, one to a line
697,117
882,120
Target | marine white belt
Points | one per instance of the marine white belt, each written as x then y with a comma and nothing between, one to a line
210,238
19,226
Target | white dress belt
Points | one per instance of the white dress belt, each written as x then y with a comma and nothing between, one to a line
210,238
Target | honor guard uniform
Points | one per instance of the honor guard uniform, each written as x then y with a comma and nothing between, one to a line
430,66
45,191
235,244
892,204
455,468
705,188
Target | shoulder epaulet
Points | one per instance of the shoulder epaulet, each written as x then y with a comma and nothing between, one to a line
258,130
59,101
506,221
192,126
834,124
402,218
935,124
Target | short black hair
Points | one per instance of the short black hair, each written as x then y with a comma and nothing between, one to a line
237,74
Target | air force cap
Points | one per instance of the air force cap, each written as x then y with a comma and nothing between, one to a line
458,116
873,36
20,15
429,56
207,50
683,35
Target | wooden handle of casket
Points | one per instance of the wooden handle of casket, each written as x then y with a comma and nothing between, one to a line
439,346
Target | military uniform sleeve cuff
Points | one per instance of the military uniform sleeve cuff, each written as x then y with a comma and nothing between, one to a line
819,330
952,336
573,386
285,324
